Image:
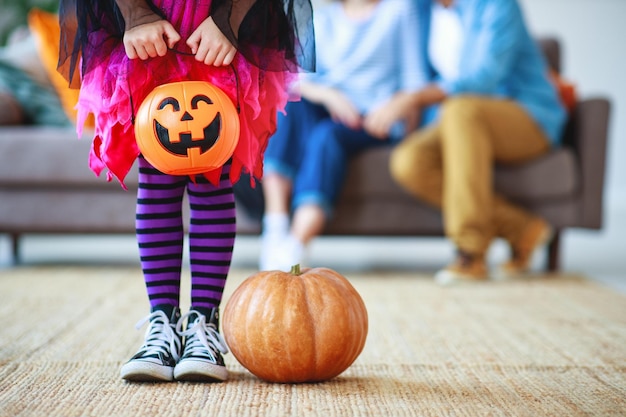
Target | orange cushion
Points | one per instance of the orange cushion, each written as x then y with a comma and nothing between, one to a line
566,90
45,28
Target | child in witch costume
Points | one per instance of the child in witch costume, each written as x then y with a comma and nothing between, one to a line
118,52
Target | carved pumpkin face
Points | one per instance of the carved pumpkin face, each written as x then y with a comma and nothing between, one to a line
187,128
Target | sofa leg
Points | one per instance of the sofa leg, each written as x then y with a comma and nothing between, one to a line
15,248
554,246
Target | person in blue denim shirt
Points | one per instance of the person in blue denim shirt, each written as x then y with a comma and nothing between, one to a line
367,51
496,104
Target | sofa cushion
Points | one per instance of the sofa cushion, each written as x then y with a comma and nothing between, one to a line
49,157
369,175
551,176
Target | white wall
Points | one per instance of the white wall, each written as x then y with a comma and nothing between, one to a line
593,35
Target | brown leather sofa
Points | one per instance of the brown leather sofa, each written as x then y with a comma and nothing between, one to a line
46,187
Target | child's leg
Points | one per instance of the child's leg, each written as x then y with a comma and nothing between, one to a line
160,233
160,237
211,238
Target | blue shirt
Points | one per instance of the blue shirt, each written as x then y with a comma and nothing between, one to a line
499,58
371,59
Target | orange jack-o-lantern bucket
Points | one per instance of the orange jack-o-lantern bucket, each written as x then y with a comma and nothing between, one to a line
186,128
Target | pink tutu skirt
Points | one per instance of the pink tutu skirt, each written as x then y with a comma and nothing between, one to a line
114,86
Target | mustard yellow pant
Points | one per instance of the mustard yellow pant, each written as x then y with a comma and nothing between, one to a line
450,165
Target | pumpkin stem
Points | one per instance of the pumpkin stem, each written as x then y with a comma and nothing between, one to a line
295,269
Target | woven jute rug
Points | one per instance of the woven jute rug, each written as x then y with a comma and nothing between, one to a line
546,346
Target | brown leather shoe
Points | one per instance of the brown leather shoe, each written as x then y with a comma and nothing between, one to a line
537,233
466,268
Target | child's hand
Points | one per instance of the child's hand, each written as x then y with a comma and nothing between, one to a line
150,39
210,46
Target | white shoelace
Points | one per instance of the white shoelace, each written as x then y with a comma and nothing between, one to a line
160,336
204,333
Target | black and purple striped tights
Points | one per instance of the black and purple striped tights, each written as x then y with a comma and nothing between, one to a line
160,235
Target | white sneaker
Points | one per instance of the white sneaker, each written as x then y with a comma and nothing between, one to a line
270,255
280,254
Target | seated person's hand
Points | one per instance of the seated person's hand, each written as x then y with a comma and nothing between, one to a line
210,46
150,40
341,109
379,122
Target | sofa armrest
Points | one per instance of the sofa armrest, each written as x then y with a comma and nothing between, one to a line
551,48
587,133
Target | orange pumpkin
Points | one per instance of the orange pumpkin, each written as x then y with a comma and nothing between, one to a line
298,326
188,127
